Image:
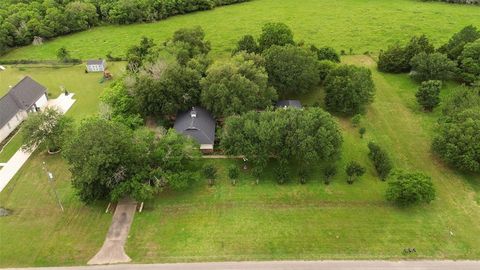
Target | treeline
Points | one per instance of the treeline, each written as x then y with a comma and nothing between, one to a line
23,22
470,2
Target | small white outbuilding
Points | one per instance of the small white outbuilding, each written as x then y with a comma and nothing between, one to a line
96,65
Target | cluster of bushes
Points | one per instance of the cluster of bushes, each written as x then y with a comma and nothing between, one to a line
470,2
22,21
458,134
458,59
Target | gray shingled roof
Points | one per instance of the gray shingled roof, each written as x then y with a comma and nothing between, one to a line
21,97
95,62
201,127
8,109
289,103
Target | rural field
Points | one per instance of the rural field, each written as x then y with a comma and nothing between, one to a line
265,221
367,25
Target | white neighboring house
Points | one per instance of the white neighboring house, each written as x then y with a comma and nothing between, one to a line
25,97
96,65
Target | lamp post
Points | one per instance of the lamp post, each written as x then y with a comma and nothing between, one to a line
50,180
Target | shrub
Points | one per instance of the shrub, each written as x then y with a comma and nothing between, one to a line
349,89
248,44
469,62
454,47
362,131
380,159
393,60
407,189
275,34
435,66
233,173
291,69
324,67
210,172
329,172
326,53
356,120
428,95
416,45
282,174
354,170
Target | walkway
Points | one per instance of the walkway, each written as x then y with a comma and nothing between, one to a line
7,172
113,250
284,265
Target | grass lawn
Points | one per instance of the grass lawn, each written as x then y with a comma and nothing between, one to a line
38,233
314,221
11,147
363,25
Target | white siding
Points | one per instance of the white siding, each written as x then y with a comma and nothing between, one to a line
12,124
206,147
96,68
41,102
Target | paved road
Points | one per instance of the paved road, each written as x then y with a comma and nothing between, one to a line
113,250
290,265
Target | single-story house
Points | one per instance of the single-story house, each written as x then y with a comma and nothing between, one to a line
198,124
25,97
289,103
96,65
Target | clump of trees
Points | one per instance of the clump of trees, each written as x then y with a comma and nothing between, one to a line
22,21
354,170
236,86
428,95
349,89
48,129
381,160
291,69
406,189
457,59
302,137
110,161
458,134
275,34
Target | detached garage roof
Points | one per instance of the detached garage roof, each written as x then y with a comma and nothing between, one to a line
21,97
198,124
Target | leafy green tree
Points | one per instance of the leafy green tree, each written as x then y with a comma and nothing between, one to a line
435,66
428,95
417,44
48,128
362,131
275,34
190,43
80,15
138,54
454,47
329,172
354,170
281,173
470,63
457,139
107,160
121,105
163,89
326,53
291,70
407,189
381,160
210,172
290,136
349,89
248,44
236,86
63,55
233,173
357,120
324,67
393,60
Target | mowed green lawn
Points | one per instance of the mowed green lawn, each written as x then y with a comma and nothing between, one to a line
363,25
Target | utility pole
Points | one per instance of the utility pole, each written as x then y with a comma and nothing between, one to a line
50,180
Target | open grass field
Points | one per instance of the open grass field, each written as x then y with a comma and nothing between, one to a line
363,25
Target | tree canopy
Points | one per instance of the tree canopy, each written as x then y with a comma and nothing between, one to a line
428,95
469,62
109,161
236,86
407,189
289,135
291,69
275,34
454,47
349,89
435,66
